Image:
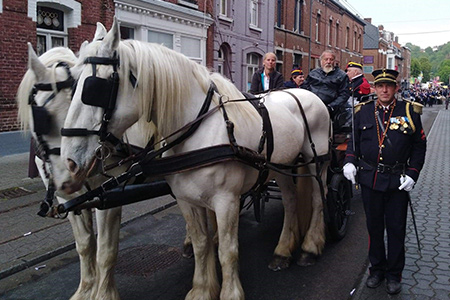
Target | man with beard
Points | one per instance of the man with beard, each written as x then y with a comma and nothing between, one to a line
329,83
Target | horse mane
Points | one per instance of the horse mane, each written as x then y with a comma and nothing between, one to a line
167,79
49,58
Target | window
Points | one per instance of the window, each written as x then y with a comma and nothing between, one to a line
354,40
297,61
51,30
359,43
126,33
252,66
347,32
165,39
298,16
223,60
390,63
223,7
337,35
279,66
254,13
190,47
317,27
279,11
330,24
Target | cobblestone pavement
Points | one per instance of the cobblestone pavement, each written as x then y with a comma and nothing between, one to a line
426,275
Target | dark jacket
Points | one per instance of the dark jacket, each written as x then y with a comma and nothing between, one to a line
403,144
332,88
276,81
290,84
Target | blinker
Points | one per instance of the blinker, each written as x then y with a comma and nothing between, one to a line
41,119
97,91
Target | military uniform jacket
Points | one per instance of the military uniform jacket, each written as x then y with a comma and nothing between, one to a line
402,150
359,86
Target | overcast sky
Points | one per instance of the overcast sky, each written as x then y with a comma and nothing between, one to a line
422,22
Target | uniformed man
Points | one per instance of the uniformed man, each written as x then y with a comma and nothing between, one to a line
389,149
359,86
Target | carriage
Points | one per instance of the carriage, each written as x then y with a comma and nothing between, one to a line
208,163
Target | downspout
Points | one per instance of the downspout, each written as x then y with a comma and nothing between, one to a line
310,34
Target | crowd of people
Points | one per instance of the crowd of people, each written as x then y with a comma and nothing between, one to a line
428,96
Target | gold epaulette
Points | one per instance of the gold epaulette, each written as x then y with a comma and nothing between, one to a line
361,104
417,107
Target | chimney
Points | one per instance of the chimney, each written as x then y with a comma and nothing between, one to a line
369,20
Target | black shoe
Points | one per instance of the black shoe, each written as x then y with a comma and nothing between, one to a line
374,281
393,287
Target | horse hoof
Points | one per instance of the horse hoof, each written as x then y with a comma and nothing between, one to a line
188,251
307,259
279,263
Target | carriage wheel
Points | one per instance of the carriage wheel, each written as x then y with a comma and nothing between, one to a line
338,204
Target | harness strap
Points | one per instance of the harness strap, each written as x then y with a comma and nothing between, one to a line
319,166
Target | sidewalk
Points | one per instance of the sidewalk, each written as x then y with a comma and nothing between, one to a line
20,198
426,276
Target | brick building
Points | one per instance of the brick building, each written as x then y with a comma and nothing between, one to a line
303,32
44,25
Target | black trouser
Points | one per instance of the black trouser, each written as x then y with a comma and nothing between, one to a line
386,210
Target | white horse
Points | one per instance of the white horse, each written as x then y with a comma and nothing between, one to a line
170,92
97,256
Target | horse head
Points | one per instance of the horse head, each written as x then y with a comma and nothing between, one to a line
90,132
44,97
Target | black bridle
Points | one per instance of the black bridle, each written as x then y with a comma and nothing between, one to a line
42,125
102,93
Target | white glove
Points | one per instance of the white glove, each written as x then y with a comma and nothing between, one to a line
350,172
406,183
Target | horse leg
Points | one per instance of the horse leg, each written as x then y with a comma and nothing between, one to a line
108,227
289,237
83,232
188,251
205,285
227,217
314,240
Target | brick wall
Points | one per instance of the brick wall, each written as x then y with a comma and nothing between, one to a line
17,29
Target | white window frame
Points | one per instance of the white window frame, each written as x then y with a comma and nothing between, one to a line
50,34
223,8
251,67
317,26
220,60
298,16
254,13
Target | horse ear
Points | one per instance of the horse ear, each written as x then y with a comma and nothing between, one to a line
112,38
35,64
100,32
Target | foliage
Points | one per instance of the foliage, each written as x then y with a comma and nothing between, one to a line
431,62
415,67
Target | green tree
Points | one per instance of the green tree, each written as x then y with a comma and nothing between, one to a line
444,71
415,67
425,66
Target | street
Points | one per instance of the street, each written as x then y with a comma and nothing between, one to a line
150,264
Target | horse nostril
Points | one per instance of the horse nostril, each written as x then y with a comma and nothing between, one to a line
71,165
